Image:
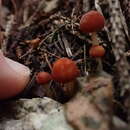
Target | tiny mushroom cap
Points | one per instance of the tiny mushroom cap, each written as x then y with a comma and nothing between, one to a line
43,77
97,51
64,70
92,21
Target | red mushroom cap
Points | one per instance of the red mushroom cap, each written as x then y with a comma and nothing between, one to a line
97,51
43,78
92,21
64,70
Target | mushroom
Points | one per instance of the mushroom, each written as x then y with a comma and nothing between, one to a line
43,78
92,22
64,70
14,77
97,51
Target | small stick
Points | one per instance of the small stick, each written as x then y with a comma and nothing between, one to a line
28,52
58,48
48,62
51,53
85,64
49,35
67,46
72,21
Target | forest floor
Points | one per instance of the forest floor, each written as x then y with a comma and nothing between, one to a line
38,32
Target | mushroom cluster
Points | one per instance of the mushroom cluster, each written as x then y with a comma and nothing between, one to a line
64,70
93,22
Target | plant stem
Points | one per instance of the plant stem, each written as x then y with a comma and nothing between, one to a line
99,66
94,39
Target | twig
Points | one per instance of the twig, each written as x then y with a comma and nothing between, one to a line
60,41
50,53
85,64
48,62
78,52
72,21
58,48
50,35
27,53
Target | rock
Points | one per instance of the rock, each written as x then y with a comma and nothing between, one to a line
32,114
91,108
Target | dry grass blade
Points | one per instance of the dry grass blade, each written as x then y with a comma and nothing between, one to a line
67,46
48,62
85,61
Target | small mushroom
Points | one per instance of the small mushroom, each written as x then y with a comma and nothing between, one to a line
43,78
64,70
92,22
97,51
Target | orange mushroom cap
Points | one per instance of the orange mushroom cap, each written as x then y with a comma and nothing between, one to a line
92,21
64,70
97,51
43,78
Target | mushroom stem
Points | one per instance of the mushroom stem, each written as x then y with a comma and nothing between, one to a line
94,38
99,66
